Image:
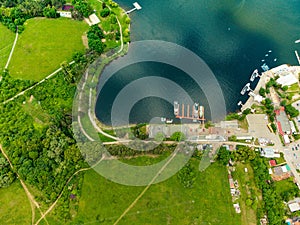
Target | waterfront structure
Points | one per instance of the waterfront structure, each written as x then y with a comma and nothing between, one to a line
182,111
136,7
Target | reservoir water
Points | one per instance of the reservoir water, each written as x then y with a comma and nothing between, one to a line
231,36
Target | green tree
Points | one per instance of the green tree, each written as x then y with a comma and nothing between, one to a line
178,136
223,155
104,12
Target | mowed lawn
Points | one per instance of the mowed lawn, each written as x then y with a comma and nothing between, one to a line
208,202
7,38
44,45
14,205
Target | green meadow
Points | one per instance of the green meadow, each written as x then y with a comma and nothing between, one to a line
207,202
44,45
14,205
7,39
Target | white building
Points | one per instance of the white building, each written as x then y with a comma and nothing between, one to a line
66,14
287,80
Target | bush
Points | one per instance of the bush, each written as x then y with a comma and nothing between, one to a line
105,12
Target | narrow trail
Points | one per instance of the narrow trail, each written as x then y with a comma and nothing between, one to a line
12,50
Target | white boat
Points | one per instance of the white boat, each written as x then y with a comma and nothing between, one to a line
275,59
265,67
262,60
196,110
240,103
163,119
270,51
176,108
297,41
266,55
245,88
169,121
201,111
254,75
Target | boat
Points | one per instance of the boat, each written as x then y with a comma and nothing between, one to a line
163,119
265,67
196,110
275,59
297,41
245,88
201,111
254,75
266,55
262,60
169,121
270,51
176,108
240,103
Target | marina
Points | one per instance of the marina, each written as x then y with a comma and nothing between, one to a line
196,114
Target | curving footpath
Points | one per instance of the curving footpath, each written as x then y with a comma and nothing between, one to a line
12,50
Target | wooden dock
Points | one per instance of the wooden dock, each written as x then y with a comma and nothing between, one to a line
186,114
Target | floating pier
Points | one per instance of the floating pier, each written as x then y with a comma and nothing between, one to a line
196,113
296,53
136,7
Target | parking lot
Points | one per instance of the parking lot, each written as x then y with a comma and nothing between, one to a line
258,128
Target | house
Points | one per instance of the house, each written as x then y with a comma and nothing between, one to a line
269,153
294,206
92,20
287,80
272,162
66,11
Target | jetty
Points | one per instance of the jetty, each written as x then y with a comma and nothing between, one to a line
296,53
195,113
136,7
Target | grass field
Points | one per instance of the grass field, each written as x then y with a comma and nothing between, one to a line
208,202
14,205
7,39
44,45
